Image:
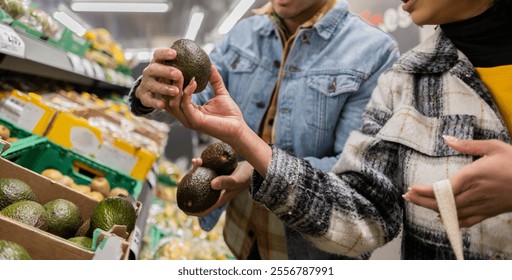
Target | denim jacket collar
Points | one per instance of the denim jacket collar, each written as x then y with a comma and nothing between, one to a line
325,27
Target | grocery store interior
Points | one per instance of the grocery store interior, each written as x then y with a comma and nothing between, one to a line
66,68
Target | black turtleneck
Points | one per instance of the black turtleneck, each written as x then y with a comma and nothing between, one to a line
487,38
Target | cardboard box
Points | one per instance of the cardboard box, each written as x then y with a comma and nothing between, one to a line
46,246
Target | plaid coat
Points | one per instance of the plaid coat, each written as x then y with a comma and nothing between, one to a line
432,90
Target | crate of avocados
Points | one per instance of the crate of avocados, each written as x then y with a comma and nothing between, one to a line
18,137
75,170
77,231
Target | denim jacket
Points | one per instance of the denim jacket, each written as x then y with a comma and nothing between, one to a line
326,81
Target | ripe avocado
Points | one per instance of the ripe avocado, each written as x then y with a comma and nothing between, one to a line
63,217
192,61
27,212
195,193
13,251
220,157
13,190
112,211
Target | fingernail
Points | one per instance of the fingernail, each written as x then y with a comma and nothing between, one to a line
192,80
438,218
406,197
450,138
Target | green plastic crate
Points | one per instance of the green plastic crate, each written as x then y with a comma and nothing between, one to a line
25,138
81,169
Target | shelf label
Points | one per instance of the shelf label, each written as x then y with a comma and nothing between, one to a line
20,112
10,42
135,244
98,71
76,63
89,70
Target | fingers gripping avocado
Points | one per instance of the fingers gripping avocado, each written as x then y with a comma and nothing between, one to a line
192,61
195,193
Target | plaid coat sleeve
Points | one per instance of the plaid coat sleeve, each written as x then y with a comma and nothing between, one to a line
352,210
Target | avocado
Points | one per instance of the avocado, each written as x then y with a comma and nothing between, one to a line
13,190
192,61
10,250
195,193
112,211
27,212
63,217
82,241
220,157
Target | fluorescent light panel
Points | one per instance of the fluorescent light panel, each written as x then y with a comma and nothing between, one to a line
193,26
70,23
121,7
237,13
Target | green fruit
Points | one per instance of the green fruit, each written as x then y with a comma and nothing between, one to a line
192,61
113,211
82,241
27,212
63,217
220,157
195,193
13,190
13,251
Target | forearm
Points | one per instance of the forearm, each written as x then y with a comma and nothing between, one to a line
251,147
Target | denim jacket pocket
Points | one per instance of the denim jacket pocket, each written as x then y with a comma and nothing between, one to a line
424,134
326,96
240,62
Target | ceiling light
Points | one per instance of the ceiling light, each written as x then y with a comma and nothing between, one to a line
237,13
126,7
194,24
70,23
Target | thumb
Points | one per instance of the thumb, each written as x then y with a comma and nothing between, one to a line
217,83
471,147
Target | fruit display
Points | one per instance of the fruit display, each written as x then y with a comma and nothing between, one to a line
62,217
195,193
173,235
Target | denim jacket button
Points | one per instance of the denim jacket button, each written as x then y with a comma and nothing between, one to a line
276,63
260,104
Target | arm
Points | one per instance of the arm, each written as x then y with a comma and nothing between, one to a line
341,213
482,189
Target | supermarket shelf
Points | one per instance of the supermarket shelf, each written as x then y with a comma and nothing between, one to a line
44,60
146,197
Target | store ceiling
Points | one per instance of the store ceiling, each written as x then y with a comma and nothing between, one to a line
152,30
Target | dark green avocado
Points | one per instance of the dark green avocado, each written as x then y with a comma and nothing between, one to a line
220,157
192,61
195,194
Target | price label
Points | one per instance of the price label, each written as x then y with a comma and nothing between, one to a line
136,241
10,42
89,70
76,63
98,71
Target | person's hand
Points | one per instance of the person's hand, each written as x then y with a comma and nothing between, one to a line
160,82
482,189
220,117
229,185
